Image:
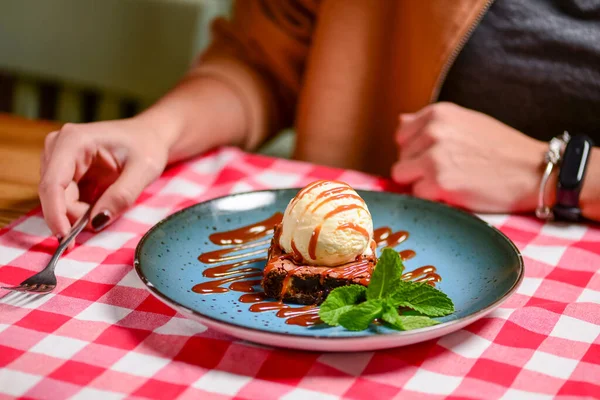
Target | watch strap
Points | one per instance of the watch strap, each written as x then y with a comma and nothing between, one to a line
571,177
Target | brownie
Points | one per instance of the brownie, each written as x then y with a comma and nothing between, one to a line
309,284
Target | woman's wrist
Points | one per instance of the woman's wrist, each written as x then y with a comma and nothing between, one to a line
531,175
198,114
163,127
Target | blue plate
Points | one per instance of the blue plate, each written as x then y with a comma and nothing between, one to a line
479,266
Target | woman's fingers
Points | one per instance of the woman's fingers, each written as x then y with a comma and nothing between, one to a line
49,143
54,207
72,193
75,210
106,164
60,170
75,207
411,125
418,145
122,194
409,171
426,189
416,173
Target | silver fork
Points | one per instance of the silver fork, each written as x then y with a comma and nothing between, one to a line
45,280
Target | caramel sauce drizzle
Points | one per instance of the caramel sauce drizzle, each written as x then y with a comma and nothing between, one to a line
385,237
312,186
221,255
268,306
343,208
252,297
231,273
329,192
286,280
245,286
247,233
306,320
303,316
245,238
312,245
347,270
427,274
354,227
215,286
296,253
336,197
323,194
380,234
230,269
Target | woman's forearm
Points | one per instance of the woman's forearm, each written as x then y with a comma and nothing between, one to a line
198,114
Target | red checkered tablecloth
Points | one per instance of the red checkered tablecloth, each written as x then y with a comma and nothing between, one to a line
101,335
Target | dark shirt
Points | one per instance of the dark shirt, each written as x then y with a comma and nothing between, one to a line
534,65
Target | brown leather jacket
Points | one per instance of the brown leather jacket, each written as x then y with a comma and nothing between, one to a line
342,70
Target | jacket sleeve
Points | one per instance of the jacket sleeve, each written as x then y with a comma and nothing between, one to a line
260,53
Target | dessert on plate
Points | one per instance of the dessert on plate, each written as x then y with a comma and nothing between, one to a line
324,241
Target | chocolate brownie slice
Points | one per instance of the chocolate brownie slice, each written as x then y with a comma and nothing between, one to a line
285,279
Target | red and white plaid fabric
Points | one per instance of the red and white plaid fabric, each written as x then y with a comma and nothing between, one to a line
100,335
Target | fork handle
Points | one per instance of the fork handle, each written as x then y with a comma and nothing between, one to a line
75,230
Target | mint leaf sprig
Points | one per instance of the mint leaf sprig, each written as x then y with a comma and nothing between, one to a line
354,307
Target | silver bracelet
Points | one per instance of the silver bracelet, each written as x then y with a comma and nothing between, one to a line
552,158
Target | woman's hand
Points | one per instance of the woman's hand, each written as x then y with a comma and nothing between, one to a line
107,164
468,159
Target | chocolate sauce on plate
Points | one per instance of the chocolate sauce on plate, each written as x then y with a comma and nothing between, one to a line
247,233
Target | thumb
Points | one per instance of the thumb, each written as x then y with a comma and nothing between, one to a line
122,194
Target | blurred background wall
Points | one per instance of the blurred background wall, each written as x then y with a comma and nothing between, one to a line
86,60
91,60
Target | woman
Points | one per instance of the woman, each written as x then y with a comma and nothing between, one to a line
364,82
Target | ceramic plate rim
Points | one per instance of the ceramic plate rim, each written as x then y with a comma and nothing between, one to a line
403,334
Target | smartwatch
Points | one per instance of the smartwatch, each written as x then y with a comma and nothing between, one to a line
570,178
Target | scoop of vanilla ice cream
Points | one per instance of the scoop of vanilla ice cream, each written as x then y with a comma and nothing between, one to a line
327,223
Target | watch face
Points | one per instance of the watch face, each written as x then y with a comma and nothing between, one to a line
575,158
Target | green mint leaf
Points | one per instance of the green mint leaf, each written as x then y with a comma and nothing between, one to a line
411,312
360,316
339,301
386,275
422,298
409,322
405,322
